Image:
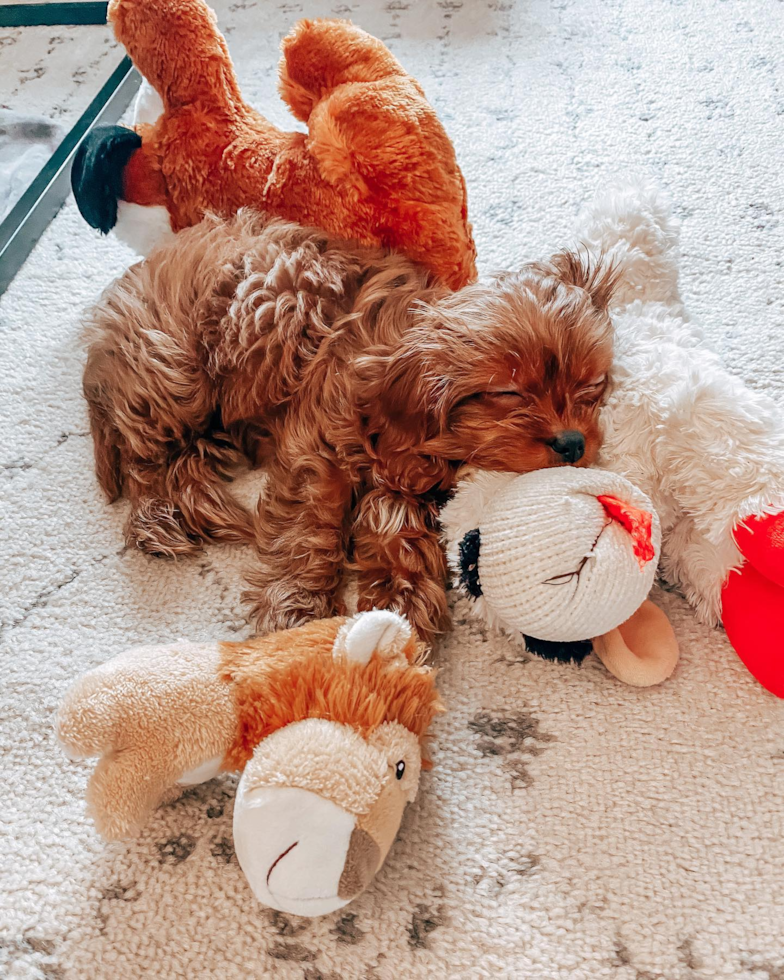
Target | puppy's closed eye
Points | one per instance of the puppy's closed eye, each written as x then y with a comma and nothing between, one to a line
593,391
508,400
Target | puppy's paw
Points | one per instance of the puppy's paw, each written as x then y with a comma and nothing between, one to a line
156,527
282,606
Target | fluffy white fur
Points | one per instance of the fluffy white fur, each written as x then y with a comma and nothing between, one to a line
148,106
706,449
143,228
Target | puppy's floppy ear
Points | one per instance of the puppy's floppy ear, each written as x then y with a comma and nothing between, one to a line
398,399
394,388
97,173
597,276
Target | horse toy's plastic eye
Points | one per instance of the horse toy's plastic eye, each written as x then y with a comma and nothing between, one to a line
400,768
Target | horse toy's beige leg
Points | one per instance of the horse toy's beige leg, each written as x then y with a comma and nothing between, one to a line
643,651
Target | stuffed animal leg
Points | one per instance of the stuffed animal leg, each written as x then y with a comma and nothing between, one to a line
325,722
707,450
153,716
348,88
642,651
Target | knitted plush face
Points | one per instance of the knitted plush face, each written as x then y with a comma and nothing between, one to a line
559,554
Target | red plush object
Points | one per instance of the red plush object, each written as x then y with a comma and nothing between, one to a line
761,541
753,601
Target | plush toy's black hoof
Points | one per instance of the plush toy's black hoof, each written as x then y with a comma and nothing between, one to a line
96,176
565,653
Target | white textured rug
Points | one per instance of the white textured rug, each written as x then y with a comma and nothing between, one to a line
572,828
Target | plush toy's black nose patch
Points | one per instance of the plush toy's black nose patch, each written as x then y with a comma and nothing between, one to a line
469,563
96,175
565,653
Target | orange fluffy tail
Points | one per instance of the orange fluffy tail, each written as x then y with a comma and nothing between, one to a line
320,55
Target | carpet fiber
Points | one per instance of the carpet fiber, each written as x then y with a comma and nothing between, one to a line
572,828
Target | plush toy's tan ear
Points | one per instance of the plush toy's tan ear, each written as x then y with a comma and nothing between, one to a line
643,651
379,630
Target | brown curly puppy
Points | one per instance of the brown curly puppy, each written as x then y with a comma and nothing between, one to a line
357,380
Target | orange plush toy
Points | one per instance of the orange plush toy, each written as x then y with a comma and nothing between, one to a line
375,165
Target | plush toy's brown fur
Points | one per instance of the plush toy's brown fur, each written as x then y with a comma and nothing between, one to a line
375,166
274,687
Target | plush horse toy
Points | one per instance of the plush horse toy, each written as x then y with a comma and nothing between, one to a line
375,165
325,722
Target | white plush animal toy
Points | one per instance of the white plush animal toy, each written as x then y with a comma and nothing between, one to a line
706,450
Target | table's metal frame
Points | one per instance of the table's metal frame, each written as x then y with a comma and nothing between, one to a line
64,13
34,210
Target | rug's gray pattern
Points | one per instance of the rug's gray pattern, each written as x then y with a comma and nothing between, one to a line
571,828
55,71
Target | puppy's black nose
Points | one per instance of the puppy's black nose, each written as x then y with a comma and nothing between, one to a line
569,444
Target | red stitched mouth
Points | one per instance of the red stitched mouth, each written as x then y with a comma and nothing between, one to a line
637,522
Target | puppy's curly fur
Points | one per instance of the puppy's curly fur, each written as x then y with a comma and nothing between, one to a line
356,379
